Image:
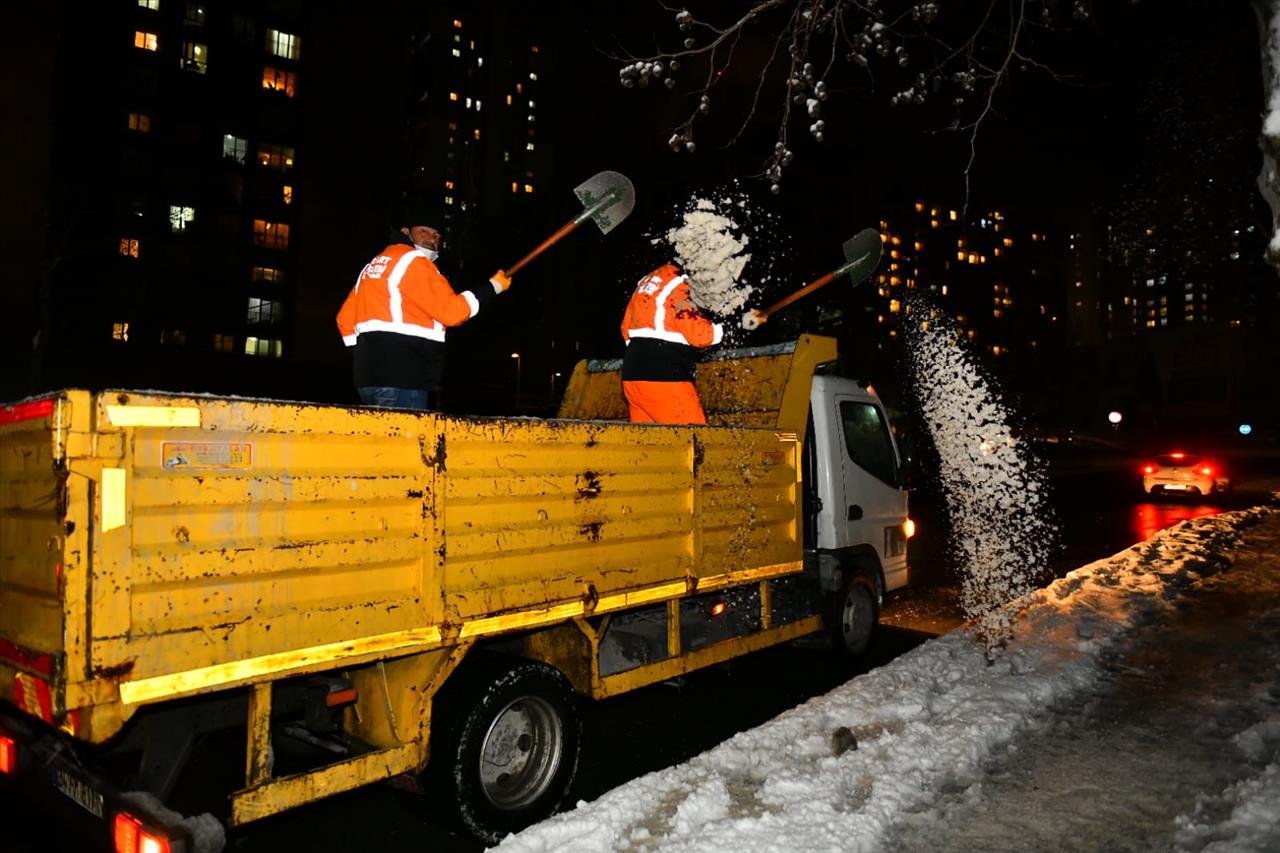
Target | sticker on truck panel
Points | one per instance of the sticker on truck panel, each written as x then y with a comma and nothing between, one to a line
206,454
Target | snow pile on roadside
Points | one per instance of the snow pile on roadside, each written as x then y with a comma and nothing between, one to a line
1252,821
839,771
997,499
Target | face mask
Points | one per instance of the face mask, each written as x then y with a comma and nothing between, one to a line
430,253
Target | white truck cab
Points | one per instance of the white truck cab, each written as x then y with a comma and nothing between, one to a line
856,504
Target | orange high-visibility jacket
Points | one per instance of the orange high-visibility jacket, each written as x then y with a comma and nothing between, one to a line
402,291
660,309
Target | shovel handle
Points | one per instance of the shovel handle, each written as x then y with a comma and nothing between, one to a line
802,292
543,246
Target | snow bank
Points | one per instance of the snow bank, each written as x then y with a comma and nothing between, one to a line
839,771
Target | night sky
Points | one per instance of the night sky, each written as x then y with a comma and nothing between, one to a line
1146,101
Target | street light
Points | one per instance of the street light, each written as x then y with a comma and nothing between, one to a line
554,376
1114,418
1245,429
516,356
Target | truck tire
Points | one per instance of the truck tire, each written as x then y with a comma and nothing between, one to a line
509,750
853,617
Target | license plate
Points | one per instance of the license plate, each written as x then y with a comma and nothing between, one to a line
1175,487
80,791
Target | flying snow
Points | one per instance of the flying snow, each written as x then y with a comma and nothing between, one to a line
1002,526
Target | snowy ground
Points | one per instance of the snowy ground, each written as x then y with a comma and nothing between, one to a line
1137,707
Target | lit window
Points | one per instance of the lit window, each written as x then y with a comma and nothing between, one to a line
267,274
457,39
287,194
448,199
263,311
952,215
960,256
270,235
153,5
919,207
528,146
515,187
457,24
140,122
457,52
528,188
973,258
480,62
129,247
234,148
508,100
944,290
276,80
533,76
933,223
179,217
275,156
534,49
531,118
224,343
284,45
146,41
263,346
506,156
519,88
996,251
195,15
119,331
477,105
894,306
453,96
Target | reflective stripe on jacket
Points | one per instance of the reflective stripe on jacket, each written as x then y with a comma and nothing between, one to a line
661,309
401,291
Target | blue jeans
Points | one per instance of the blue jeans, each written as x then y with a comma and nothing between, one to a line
394,398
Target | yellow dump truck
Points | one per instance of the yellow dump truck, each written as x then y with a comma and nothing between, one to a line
413,592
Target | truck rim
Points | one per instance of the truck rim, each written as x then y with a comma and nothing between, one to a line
521,752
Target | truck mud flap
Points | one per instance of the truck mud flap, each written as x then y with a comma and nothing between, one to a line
48,774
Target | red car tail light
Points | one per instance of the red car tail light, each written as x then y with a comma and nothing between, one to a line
1148,469
1206,470
8,755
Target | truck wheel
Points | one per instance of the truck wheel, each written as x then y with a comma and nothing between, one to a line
853,617
510,749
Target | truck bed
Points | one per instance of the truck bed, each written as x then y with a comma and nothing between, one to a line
155,545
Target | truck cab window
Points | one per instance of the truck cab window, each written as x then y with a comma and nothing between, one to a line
866,439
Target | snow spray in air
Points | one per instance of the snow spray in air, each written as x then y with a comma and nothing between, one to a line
724,243
1003,532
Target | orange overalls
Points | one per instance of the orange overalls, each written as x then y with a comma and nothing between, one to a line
662,328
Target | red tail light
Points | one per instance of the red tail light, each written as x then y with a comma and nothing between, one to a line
132,837
8,755
1206,470
1148,469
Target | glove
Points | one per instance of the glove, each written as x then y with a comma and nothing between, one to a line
500,281
752,320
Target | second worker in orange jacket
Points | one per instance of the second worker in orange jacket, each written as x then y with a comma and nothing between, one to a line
663,329
396,316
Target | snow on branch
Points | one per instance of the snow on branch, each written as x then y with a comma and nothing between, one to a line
952,51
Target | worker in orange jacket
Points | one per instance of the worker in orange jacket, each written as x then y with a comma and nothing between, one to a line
662,328
397,313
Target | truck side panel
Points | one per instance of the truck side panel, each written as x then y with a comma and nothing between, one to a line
269,527
540,512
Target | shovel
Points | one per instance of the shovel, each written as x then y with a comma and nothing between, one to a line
862,252
607,199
